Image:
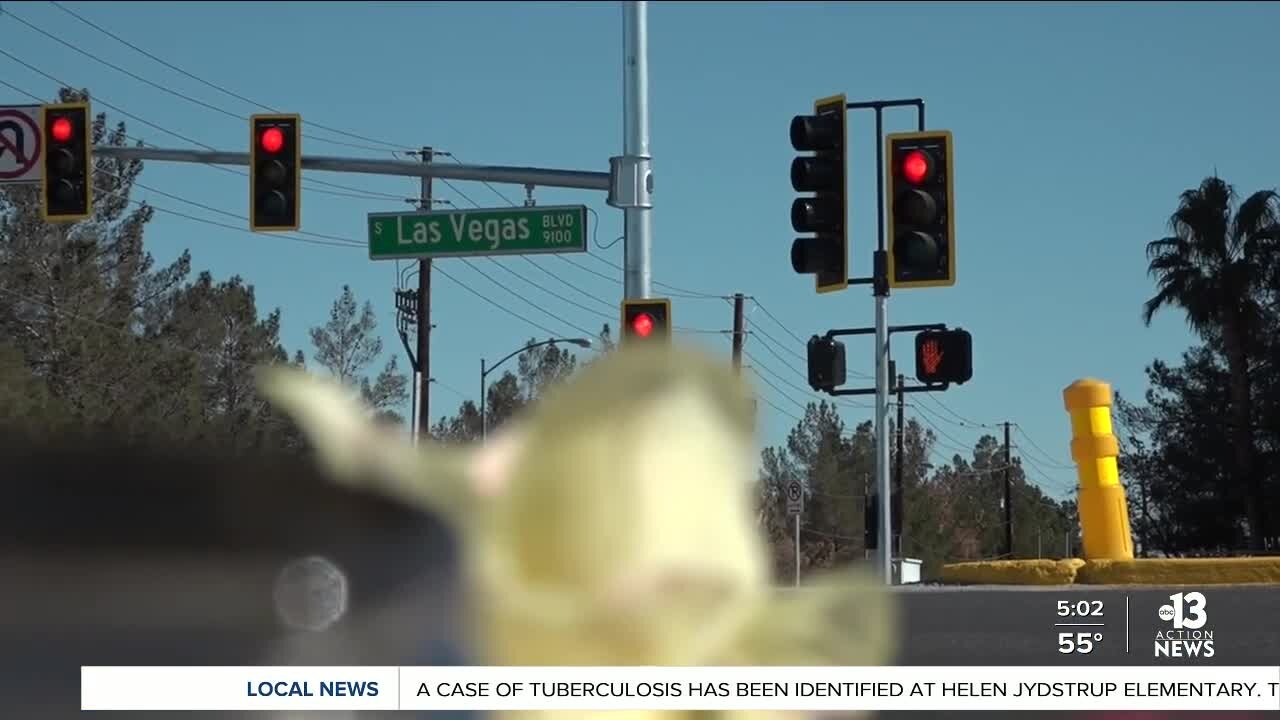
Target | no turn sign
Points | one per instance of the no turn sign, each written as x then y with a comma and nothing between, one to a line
795,498
21,144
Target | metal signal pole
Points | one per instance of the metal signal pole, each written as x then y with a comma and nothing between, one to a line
880,289
633,170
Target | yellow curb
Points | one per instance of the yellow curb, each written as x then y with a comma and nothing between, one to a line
1012,572
1182,571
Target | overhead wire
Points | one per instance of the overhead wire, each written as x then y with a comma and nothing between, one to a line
156,85
301,236
208,83
231,93
361,193
351,191
1046,457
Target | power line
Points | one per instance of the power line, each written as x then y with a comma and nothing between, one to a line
1049,460
215,86
159,86
356,192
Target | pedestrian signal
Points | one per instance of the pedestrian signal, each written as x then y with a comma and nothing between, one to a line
944,356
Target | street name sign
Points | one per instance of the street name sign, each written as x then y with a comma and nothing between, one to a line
21,142
456,233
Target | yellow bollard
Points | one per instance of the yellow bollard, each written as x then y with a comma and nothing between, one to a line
1104,512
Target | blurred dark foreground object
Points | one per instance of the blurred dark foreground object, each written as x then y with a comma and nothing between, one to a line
113,556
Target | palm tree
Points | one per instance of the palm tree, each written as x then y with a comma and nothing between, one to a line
1214,267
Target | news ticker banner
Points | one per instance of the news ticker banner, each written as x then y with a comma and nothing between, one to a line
664,688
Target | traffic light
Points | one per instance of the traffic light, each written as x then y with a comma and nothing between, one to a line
826,363
944,356
66,187
825,173
922,222
275,180
648,319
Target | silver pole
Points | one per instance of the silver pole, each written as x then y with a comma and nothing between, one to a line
797,550
638,223
882,436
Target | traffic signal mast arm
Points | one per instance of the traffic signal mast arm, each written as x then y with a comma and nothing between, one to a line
542,177
935,387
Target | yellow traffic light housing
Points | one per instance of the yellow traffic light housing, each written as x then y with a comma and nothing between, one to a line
826,214
921,217
66,185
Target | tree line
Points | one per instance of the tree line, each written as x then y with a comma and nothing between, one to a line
96,338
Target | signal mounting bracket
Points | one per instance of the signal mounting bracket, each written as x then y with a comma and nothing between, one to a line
631,182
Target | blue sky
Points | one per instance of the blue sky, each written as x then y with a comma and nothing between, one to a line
1076,127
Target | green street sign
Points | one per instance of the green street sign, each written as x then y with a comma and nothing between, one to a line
454,233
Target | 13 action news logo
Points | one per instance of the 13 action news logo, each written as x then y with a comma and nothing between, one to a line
1186,612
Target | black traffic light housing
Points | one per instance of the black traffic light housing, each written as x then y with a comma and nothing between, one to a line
275,177
66,187
826,363
646,320
944,356
922,223
826,174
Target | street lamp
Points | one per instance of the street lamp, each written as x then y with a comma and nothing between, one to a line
486,369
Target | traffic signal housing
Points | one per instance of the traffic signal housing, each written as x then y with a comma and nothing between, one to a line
922,224
826,363
66,186
825,173
944,356
646,320
275,179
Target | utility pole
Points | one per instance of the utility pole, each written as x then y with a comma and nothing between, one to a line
738,338
899,502
1008,495
634,169
424,318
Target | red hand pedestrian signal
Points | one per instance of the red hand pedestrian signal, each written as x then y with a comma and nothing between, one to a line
944,356
931,357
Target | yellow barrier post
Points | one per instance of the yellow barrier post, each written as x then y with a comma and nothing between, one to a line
1104,512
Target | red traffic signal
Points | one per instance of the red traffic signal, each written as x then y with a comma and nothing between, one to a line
61,129
275,173
921,232
944,356
66,186
642,324
272,140
648,319
916,167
